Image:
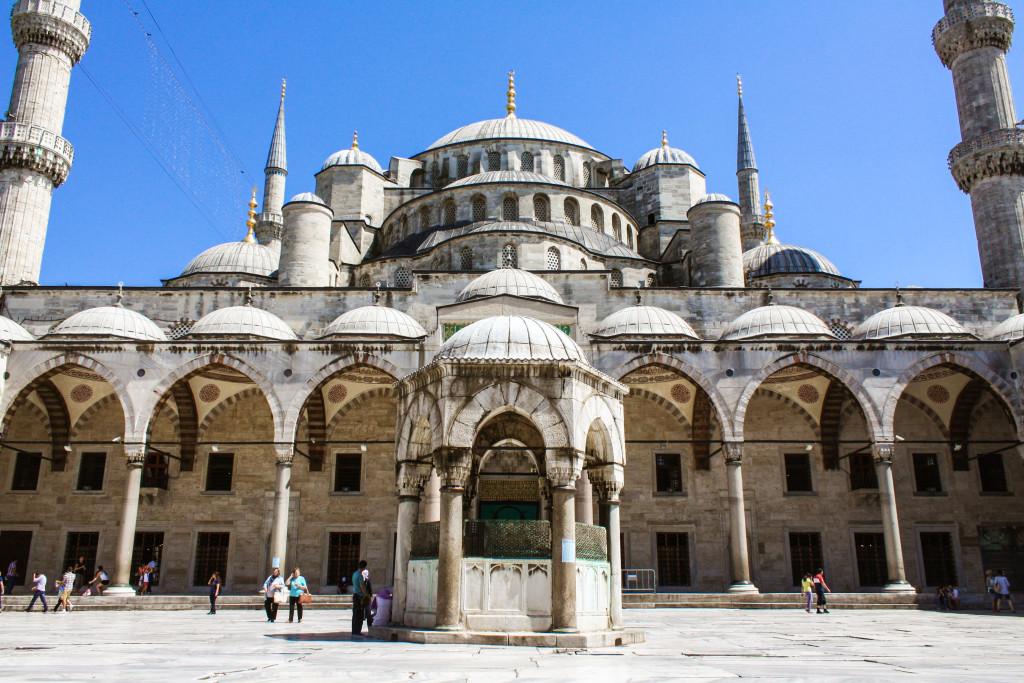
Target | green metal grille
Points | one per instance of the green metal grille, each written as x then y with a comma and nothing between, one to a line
591,543
508,539
426,540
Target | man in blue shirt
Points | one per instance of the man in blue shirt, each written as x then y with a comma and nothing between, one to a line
360,597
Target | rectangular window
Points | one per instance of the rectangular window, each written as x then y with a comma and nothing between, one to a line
804,554
926,473
342,556
219,468
16,545
347,471
81,544
862,472
993,474
154,474
149,547
668,471
798,472
211,556
939,559
872,569
673,559
90,471
26,471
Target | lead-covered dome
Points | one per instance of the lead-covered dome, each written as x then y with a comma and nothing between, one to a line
511,281
1010,329
245,322
777,321
664,155
714,197
109,321
352,157
234,257
375,321
775,258
307,197
909,321
509,128
504,177
645,322
511,337
12,331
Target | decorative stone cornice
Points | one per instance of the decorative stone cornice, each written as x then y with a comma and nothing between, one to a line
45,22
971,26
989,155
883,451
412,476
453,466
733,451
32,148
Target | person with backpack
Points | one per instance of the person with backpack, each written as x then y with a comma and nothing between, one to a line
820,587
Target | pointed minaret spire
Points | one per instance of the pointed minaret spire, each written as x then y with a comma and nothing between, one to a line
746,175
511,106
277,159
744,147
270,222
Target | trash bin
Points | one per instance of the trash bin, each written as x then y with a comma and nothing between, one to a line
383,615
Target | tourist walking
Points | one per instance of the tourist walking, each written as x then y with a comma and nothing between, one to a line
10,577
296,587
214,584
39,592
991,587
805,590
99,582
1001,585
820,587
272,587
64,587
361,592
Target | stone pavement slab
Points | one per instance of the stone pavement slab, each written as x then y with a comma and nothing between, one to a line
690,645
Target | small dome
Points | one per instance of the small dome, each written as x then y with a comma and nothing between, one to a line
241,321
774,258
644,321
713,197
307,197
777,321
511,337
509,127
12,331
510,281
909,321
109,321
375,321
352,157
664,155
234,257
504,177
1010,329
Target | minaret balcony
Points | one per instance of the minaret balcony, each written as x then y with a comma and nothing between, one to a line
45,22
24,145
995,153
968,27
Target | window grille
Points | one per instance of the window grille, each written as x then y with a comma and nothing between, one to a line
541,208
673,559
179,329
26,471
629,236
435,175
804,555
154,473
466,258
219,470
364,281
347,472
651,280
462,166
554,259
840,330
90,471
993,473
403,277
862,472
926,473
559,164
616,228
342,556
596,218
526,163
572,213
798,472
509,256
449,213
493,161
80,544
510,208
668,472
586,175
149,547
872,569
939,558
479,209
616,278
424,218
211,556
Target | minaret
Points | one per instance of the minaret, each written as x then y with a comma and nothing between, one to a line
51,38
269,225
751,229
972,40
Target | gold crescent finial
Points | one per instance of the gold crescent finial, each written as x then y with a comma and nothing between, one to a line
664,139
284,84
355,139
250,237
511,106
769,221
739,85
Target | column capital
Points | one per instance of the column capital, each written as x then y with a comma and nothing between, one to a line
883,451
608,480
563,466
733,451
453,466
411,478
134,455
285,454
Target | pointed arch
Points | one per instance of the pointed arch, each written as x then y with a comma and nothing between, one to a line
504,397
596,410
413,437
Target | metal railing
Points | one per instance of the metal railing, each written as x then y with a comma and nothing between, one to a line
639,581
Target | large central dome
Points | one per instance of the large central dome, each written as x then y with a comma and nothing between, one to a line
509,127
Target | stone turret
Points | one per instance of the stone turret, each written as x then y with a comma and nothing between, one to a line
51,38
972,40
270,222
305,243
752,227
716,257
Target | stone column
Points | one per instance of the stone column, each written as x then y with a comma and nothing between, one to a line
411,477
609,481
453,466
738,554
282,499
584,499
135,459
563,476
432,498
883,453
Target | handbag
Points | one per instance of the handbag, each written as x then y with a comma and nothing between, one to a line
280,598
305,598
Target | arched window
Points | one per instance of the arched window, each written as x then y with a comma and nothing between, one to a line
449,212
616,280
466,259
510,208
572,212
493,161
416,178
435,174
404,228
583,264
541,208
424,218
479,208
509,256
526,163
364,280
651,280
616,228
629,236
559,164
462,166
597,218
586,175
403,278
554,259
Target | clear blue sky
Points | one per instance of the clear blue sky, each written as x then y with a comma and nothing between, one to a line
851,112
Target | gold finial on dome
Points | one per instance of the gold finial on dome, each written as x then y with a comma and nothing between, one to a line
739,85
250,238
284,84
355,139
511,106
769,221
664,139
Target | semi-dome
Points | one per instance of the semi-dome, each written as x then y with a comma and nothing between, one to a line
12,331
909,321
506,128
511,337
375,321
109,321
307,197
352,157
1010,329
774,258
234,257
664,155
510,281
714,197
777,321
644,321
241,321
504,177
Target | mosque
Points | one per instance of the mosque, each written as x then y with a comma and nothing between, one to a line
513,325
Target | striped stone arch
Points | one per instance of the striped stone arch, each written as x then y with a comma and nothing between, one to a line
361,399
221,407
596,408
997,384
420,426
91,411
793,405
693,374
661,402
834,371
930,414
502,398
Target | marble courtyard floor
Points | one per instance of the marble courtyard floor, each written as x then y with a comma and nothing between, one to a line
682,644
